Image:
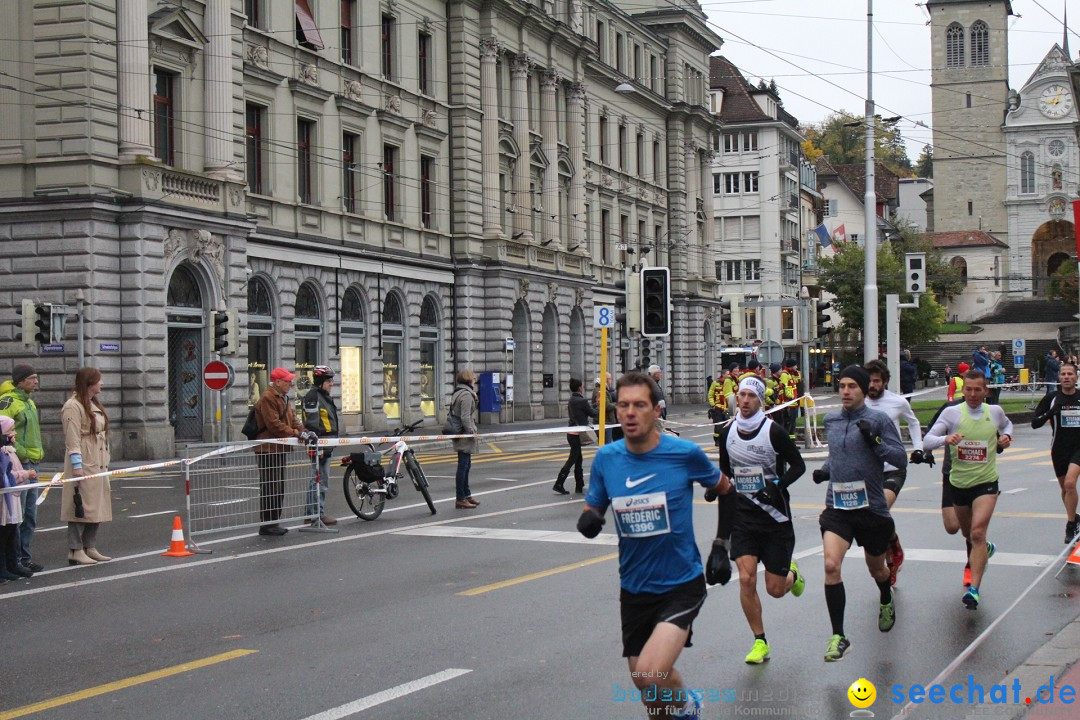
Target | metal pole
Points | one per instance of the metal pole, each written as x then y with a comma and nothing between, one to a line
892,330
79,312
603,385
870,291
804,322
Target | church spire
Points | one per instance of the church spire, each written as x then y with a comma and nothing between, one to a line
1065,41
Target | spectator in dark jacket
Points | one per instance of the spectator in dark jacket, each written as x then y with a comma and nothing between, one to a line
581,412
981,360
1050,371
909,372
321,418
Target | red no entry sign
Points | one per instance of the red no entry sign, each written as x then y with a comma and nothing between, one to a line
217,375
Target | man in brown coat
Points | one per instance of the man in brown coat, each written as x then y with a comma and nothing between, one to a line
274,414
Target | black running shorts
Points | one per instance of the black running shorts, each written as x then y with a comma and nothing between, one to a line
1063,457
895,479
870,530
965,497
771,545
642,612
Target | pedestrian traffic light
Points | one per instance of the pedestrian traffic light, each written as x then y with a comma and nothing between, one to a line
655,302
628,307
26,311
730,317
646,352
225,341
820,318
915,277
43,323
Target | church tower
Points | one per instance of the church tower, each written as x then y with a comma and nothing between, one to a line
970,90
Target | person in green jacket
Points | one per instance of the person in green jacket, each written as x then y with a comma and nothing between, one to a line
15,403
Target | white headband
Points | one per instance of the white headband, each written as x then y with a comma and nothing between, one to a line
755,384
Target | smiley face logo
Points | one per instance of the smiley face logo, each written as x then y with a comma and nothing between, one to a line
862,693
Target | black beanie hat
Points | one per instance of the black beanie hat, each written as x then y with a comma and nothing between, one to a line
860,376
21,372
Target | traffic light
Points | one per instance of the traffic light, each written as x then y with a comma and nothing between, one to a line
655,302
27,322
43,323
730,318
225,342
628,307
646,352
820,318
915,277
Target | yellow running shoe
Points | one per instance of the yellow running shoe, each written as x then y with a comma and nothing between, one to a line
759,653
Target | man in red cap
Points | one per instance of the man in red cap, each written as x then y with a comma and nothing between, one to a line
956,384
274,415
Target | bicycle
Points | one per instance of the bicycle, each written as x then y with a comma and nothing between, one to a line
368,484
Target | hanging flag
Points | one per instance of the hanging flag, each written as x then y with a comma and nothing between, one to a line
840,235
823,235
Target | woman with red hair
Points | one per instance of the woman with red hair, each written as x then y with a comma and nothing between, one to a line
86,502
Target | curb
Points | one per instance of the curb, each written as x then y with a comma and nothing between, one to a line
1055,658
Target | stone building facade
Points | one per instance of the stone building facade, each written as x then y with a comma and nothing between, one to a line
376,186
970,91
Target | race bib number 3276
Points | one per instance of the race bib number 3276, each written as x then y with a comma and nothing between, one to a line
640,516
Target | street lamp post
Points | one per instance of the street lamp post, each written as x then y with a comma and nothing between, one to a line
870,289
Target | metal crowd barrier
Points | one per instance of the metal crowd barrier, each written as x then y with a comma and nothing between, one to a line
233,490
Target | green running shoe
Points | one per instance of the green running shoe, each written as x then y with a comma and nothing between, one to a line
759,653
991,548
799,585
838,645
971,598
887,615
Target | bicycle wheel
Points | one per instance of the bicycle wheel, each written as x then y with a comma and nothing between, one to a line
419,479
365,504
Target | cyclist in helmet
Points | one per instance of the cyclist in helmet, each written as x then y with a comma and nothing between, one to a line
321,417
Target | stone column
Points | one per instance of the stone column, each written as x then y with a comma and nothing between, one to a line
575,129
519,100
549,127
708,257
218,92
693,242
133,79
489,136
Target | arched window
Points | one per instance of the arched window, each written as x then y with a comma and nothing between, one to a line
260,327
429,355
954,46
961,263
980,44
353,332
184,289
393,334
1027,172
308,329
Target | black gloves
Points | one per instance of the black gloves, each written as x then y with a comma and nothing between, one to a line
710,495
770,495
869,434
917,457
718,566
820,476
589,523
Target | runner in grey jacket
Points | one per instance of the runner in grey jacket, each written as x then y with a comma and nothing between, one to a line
856,459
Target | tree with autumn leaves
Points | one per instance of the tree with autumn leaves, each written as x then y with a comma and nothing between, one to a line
842,138
842,275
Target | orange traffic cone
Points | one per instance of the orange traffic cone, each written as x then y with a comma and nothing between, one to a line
1074,557
177,548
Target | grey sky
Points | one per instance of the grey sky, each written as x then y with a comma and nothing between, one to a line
800,40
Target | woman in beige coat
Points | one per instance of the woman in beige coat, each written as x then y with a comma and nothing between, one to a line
85,503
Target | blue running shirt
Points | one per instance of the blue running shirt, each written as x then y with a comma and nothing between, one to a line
652,497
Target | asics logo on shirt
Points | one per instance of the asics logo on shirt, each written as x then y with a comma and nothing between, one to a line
634,483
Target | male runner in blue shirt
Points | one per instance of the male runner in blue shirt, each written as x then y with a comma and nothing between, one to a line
648,480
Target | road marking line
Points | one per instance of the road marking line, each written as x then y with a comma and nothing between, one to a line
505,479
267,551
122,684
494,448
960,556
1013,491
52,529
537,575
1023,456
159,512
487,533
393,693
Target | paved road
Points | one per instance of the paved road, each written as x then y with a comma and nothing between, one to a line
503,611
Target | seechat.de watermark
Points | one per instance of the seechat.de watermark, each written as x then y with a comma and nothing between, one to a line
973,693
